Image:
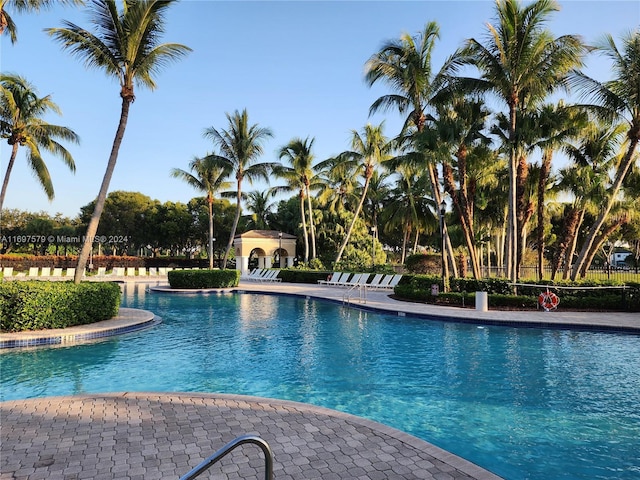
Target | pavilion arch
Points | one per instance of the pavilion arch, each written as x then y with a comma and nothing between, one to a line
266,243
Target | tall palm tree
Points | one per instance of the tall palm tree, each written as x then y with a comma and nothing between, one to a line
405,65
126,46
21,123
298,153
369,149
240,146
522,63
209,178
8,26
619,99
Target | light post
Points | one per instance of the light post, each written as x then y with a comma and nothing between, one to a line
443,210
373,246
280,248
213,250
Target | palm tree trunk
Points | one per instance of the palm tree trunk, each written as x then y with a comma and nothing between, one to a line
304,229
312,228
5,182
235,222
355,217
210,202
597,245
572,241
87,244
624,168
542,185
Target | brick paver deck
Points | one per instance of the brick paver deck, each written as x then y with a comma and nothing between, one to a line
160,436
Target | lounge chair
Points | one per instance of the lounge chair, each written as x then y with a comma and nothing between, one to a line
394,281
102,271
153,272
45,272
57,272
270,276
355,280
333,275
340,279
383,283
71,272
375,281
142,271
131,271
33,272
7,272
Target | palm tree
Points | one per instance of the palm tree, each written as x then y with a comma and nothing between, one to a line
298,153
618,99
21,123
369,149
258,203
405,65
207,177
522,63
240,146
126,46
7,25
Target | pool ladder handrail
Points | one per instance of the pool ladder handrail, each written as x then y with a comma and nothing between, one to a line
362,293
208,462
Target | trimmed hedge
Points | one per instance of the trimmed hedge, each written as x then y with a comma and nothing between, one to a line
462,292
203,278
36,305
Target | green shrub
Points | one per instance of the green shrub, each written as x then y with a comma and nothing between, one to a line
422,263
35,305
203,278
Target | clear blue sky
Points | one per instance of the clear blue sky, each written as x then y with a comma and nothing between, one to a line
296,66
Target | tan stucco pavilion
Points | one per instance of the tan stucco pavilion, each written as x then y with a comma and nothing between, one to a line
266,243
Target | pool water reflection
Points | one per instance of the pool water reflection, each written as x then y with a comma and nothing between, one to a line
523,403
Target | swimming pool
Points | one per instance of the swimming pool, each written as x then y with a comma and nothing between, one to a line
523,403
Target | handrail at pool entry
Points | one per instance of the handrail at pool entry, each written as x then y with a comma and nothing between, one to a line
208,462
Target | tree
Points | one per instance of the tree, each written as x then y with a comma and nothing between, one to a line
126,46
405,65
8,26
209,178
618,98
240,146
522,63
299,176
21,123
369,149
257,202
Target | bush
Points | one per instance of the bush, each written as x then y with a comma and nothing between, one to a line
424,264
203,278
35,305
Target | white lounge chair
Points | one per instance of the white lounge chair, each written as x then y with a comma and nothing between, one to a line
142,271
102,271
375,281
394,281
333,275
153,272
383,283
340,279
7,272
57,272
45,272
131,271
33,272
270,276
71,272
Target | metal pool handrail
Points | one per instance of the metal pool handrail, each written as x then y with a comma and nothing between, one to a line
205,464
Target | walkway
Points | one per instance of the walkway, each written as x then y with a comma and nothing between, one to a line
161,436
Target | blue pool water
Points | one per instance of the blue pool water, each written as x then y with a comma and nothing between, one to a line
523,403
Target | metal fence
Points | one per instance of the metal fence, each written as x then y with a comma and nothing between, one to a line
595,273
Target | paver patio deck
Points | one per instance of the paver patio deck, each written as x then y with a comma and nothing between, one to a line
153,436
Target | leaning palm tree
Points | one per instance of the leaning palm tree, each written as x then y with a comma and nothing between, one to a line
522,63
126,46
298,153
240,145
369,149
209,178
617,99
22,124
8,26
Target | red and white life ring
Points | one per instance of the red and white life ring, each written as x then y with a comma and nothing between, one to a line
548,300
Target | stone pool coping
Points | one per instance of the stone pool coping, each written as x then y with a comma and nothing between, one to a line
128,320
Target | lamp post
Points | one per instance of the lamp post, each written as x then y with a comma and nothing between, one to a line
280,248
443,210
213,250
373,247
